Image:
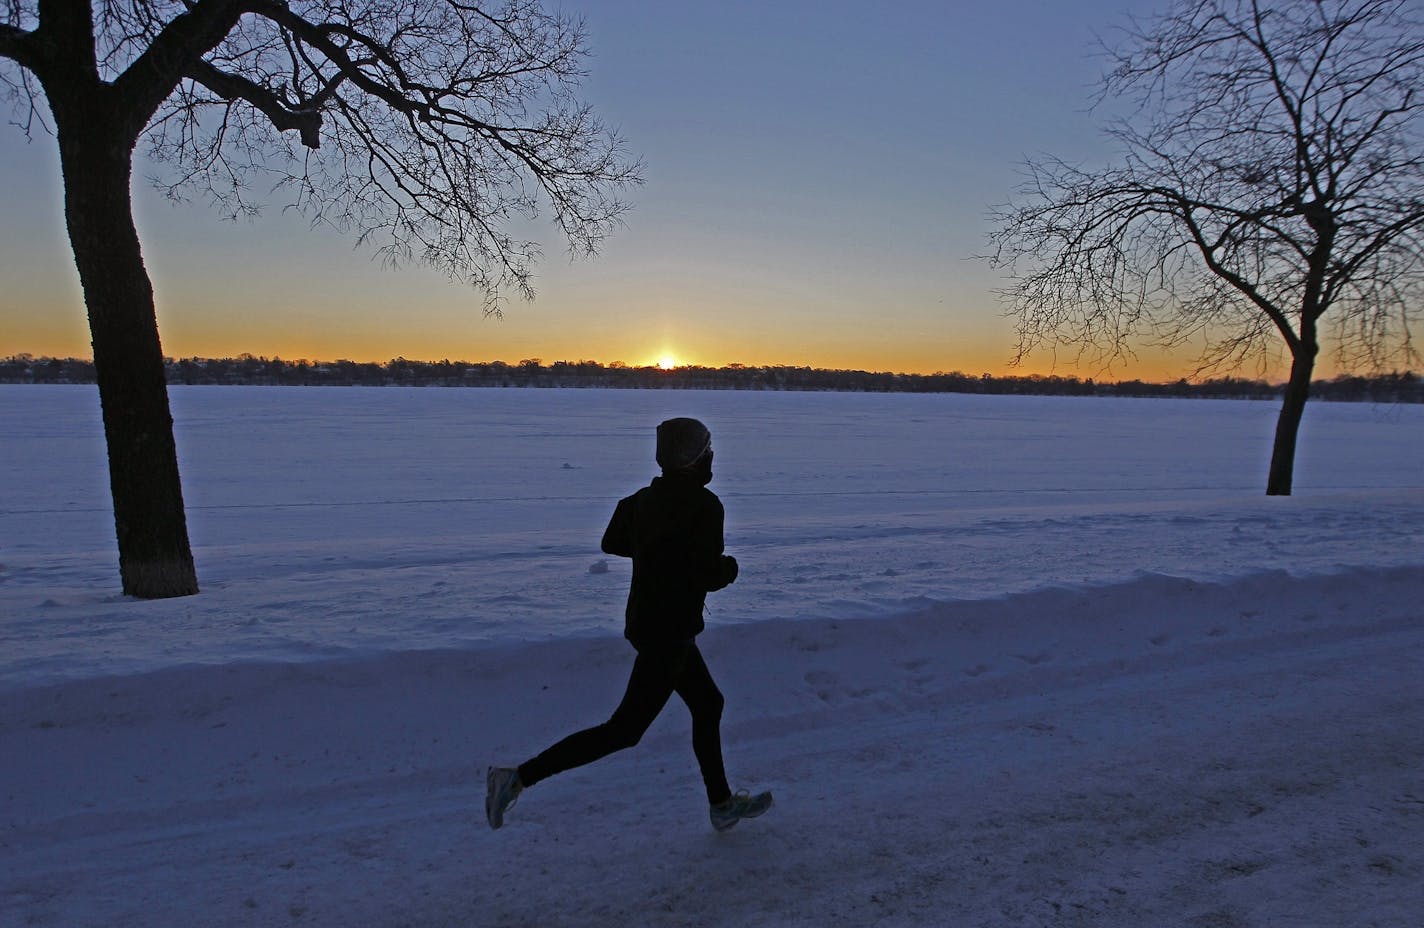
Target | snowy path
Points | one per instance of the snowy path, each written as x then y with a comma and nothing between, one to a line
1159,752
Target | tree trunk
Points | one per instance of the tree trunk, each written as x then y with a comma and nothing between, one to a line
1282,474
155,559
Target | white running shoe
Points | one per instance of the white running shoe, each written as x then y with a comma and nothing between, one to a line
502,788
738,806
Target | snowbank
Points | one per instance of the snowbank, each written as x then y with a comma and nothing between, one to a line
1159,752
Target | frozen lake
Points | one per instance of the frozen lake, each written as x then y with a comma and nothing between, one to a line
328,521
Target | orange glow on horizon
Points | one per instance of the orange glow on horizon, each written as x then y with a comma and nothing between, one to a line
70,340
1161,372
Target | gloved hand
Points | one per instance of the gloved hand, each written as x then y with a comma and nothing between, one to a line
729,568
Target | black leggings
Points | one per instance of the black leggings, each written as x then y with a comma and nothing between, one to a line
657,674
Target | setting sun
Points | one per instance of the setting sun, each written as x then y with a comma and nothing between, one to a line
667,362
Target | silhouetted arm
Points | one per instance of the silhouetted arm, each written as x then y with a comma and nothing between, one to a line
714,569
618,537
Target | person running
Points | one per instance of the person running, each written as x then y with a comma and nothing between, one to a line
672,529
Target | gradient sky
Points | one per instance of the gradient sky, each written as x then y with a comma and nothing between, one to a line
817,181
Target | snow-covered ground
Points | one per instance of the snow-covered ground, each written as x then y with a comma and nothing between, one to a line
1004,661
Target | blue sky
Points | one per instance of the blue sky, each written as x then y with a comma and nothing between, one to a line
817,182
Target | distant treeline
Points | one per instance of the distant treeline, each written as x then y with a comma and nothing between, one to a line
532,372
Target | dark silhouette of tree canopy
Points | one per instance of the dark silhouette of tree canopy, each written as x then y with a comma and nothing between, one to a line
429,128
1271,185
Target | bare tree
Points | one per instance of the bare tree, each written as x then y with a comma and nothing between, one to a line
427,127
1271,173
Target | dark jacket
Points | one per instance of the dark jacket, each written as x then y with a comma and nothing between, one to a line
672,529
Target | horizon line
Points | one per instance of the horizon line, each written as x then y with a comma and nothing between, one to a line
656,369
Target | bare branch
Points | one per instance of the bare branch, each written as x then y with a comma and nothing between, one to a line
171,54
18,45
440,126
429,128
306,121
1281,142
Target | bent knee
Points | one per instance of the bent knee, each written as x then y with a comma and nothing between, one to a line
622,737
711,707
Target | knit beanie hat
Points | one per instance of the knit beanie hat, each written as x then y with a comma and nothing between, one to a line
681,442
